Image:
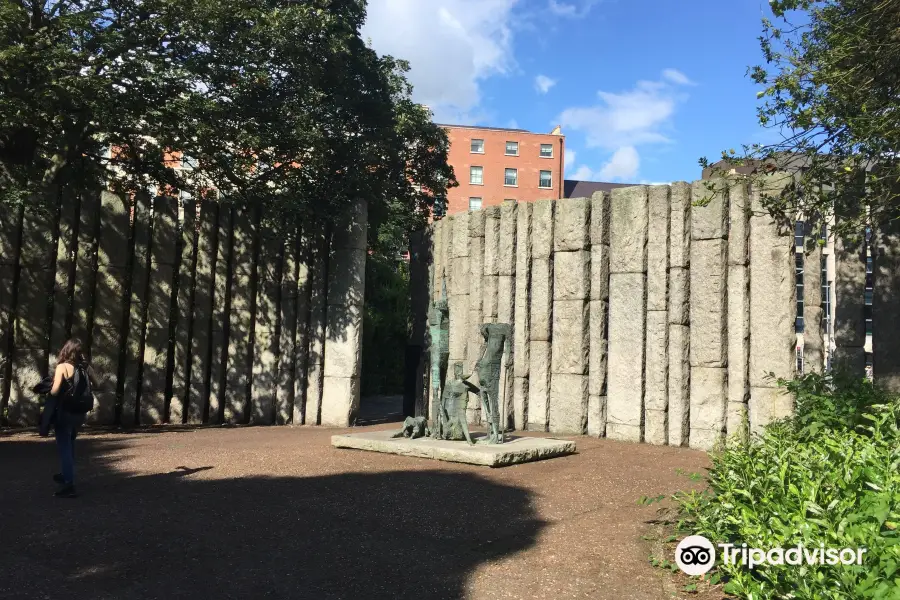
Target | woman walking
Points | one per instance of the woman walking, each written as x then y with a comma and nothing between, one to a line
70,386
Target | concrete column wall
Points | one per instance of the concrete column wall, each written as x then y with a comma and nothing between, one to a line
656,400
849,290
598,314
813,313
270,265
738,333
540,314
474,341
221,304
198,386
187,271
287,339
137,312
522,317
506,303
315,360
302,345
679,342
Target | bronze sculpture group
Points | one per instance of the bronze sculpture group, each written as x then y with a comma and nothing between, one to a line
449,396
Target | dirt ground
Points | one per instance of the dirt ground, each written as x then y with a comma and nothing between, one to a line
279,513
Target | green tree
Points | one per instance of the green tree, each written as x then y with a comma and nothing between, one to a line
274,101
832,88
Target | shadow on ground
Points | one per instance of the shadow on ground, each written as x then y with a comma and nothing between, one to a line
177,535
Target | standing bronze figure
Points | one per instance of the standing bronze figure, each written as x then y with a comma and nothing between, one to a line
439,330
496,344
452,418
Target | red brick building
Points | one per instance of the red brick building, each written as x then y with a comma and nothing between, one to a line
493,164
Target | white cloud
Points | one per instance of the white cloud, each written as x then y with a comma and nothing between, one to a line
542,83
677,77
624,164
582,173
571,9
451,46
570,158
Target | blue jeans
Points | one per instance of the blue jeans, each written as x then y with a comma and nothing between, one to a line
67,426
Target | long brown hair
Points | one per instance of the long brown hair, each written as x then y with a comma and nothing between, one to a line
71,353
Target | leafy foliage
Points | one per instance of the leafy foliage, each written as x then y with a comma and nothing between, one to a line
831,87
385,325
830,475
273,101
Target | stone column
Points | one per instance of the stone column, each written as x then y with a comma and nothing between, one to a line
159,298
343,332
709,318
61,327
522,317
10,245
287,341
34,291
599,314
187,270
738,310
86,268
109,321
541,314
491,282
264,386
318,268
656,400
476,305
221,302
137,317
849,292
627,313
679,313
506,302
304,337
773,308
886,307
202,314
813,313
570,336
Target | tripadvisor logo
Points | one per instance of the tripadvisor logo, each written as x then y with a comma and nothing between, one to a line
695,555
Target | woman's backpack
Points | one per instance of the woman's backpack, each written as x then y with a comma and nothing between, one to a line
80,398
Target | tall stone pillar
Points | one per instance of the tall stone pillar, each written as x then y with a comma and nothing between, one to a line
709,319
490,284
813,313
506,301
61,327
33,313
458,288
570,336
137,318
886,308
476,305
522,317
343,333
159,298
773,308
10,245
627,313
302,355
109,306
221,302
541,313
264,386
202,318
287,341
679,314
187,271
86,268
318,268
849,291
738,310
599,314
656,396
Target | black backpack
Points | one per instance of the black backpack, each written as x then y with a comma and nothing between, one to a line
79,399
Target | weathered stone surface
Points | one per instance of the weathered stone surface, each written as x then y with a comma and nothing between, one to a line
37,251
849,358
264,383
476,224
571,275
706,439
506,298
708,401
506,256
628,230
343,341
600,272
572,225
301,356
238,373
460,236
679,383
542,228
772,302
570,337
656,427
600,206
86,268
178,400
513,451
597,353
656,395
738,334
65,254
522,321
459,327
490,291
353,231
287,340
813,330
137,317
316,334
153,399
568,403
538,385
886,306
768,404
709,282
492,240
114,231
346,277
340,401
625,380
541,298
710,221
658,248
736,420
680,225
739,210
29,366
439,267
596,425
679,296
520,403
476,271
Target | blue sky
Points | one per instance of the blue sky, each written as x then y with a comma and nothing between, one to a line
642,88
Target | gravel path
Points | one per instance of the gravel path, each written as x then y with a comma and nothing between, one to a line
278,513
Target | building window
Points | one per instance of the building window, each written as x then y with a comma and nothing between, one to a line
474,203
546,179
511,177
476,175
798,324
512,148
477,147
546,150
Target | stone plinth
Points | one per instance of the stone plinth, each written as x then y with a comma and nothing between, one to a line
516,450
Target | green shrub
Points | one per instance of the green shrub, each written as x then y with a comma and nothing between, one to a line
385,325
829,475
